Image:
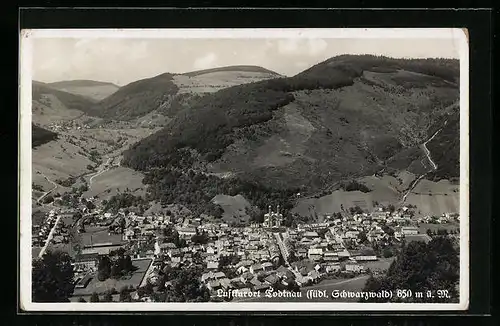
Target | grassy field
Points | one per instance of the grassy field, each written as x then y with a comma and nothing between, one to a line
332,203
93,235
70,155
435,198
57,160
101,287
99,235
387,190
233,206
50,109
382,264
214,81
114,181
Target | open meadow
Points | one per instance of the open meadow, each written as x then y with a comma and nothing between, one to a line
435,198
116,180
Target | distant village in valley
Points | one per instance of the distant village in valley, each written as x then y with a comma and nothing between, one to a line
253,258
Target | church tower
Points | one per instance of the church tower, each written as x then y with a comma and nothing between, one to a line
273,219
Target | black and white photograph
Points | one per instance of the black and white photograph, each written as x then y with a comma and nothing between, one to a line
244,169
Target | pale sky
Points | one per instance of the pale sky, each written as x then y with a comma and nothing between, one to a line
124,60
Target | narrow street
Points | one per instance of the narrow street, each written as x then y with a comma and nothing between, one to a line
49,237
283,249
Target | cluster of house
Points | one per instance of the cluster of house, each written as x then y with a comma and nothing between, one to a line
41,232
257,251
67,125
442,219
261,255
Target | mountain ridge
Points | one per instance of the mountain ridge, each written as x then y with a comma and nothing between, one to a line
339,120
165,93
79,82
247,68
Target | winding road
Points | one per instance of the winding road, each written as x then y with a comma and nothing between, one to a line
101,171
105,166
429,158
47,192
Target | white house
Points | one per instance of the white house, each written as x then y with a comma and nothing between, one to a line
356,268
409,230
267,266
332,268
366,258
315,253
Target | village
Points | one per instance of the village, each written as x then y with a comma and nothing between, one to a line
251,258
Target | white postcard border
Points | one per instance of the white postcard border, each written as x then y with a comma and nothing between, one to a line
25,168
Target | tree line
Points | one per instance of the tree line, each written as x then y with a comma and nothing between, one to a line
421,267
195,190
40,136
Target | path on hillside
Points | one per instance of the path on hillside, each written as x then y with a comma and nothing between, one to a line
103,168
429,158
49,237
47,192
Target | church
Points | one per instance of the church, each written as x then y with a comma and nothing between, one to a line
273,219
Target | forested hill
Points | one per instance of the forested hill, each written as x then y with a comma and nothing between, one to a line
445,69
218,120
342,118
137,98
165,94
40,136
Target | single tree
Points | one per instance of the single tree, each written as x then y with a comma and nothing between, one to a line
94,297
387,253
108,297
104,268
125,296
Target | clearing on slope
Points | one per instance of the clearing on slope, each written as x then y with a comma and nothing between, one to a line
49,104
235,208
212,80
435,198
